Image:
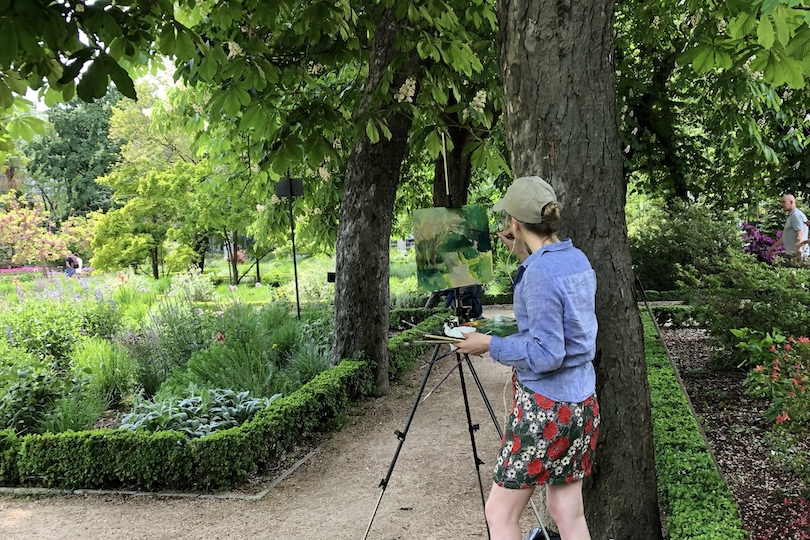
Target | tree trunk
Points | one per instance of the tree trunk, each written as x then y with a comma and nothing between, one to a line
459,169
362,303
153,257
234,259
201,245
560,113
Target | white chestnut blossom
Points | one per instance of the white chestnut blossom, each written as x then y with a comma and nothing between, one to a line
406,91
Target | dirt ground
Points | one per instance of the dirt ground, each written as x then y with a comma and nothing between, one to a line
433,491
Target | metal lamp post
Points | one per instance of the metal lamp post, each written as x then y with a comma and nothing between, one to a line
289,188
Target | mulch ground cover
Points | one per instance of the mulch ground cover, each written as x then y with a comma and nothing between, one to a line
767,476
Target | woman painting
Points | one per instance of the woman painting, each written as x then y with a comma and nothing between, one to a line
554,422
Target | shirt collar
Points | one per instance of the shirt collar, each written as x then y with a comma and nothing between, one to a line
556,246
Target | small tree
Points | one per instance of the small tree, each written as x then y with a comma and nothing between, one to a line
26,230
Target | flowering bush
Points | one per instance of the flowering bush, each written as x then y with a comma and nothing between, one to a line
758,243
781,375
20,270
193,284
241,256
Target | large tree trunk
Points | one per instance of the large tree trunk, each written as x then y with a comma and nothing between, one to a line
559,104
459,169
362,303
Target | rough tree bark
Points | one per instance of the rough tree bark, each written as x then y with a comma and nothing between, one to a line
362,303
459,170
560,112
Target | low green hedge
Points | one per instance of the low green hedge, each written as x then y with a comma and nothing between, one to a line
495,299
404,318
401,355
168,460
694,496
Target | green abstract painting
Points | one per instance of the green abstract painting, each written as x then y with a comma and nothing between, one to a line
453,247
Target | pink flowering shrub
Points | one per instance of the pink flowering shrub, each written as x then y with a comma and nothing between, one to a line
757,243
781,374
241,256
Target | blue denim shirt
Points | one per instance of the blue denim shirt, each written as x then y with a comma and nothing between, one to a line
554,302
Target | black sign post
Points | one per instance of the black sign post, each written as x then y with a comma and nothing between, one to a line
289,188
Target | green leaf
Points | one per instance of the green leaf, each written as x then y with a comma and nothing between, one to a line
231,105
799,46
19,129
722,59
6,97
704,61
433,143
741,25
242,95
52,97
208,67
166,41
768,6
123,82
765,34
8,42
72,71
94,82
372,132
16,84
782,28
185,49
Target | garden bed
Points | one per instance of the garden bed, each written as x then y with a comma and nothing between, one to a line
766,482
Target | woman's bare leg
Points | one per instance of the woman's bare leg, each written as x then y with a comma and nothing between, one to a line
503,510
567,509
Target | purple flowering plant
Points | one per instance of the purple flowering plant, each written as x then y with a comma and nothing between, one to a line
757,243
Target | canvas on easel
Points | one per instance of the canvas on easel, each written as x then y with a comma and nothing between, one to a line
453,247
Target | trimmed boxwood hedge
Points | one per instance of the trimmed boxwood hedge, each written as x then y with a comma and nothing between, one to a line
691,491
168,460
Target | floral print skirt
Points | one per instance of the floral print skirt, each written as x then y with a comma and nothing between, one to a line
546,442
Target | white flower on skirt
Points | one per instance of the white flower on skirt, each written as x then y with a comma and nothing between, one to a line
534,428
510,474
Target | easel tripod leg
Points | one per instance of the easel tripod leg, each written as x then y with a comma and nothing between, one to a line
401,436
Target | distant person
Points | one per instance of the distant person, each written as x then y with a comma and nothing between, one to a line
471,298
794,235
73,264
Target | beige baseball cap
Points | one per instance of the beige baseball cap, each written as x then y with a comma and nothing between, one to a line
525,199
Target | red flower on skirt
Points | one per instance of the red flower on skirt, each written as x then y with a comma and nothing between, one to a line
534,467
543,401
542,478
593,438
586,463
595,407
549,431
588,425
520,415
516,444
558,448
564,415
